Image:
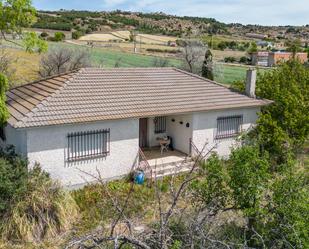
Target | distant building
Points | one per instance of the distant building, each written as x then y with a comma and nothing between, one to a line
276,57
265,44
260,59
270,59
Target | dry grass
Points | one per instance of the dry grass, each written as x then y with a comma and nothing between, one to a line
220,55
100,37
155,39
26,66
43,213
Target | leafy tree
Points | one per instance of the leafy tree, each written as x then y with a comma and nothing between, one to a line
294,47
253,48
16,15
222,45
284,125
32,44
207,68
288,212
4,114
211,190
248,171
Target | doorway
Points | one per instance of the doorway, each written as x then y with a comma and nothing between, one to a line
143,132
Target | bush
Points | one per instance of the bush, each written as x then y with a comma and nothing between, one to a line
229,59
44,35
33,207
289,211
13,176
243,60
59,36
77,34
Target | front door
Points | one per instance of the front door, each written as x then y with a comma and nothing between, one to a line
143,134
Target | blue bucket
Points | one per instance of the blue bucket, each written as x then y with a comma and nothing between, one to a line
139,177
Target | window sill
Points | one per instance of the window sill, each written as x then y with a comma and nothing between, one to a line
87,158
227,136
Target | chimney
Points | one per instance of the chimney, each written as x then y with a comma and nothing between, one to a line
250,83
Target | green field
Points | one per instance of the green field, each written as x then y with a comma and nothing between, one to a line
227,74
108,58
27,65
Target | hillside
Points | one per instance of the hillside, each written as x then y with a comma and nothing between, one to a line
156,23
159,23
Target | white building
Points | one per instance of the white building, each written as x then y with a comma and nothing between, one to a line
94,121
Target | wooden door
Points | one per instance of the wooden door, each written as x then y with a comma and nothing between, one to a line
143,132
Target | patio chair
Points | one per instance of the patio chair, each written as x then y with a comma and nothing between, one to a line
164,145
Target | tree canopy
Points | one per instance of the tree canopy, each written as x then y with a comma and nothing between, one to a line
284,125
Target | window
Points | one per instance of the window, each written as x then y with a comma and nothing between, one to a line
88,144
228,126
160,124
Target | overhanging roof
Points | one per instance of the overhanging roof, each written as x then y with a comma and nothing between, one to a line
96,94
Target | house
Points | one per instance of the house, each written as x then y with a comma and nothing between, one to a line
278,57
270,59
260,58
96,120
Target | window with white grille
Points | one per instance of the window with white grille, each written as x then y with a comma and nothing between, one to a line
229,126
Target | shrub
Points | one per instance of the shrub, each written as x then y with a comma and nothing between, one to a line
230,59
44,35
77,34
13,175
249,171
59,36
32,206
243,60
289,212
42,211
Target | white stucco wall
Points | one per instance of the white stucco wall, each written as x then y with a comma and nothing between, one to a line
47,145
152,136
205,124
179,132
15,137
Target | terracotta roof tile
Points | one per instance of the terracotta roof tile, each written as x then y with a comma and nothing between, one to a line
94,94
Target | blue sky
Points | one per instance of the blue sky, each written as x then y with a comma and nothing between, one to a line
265,12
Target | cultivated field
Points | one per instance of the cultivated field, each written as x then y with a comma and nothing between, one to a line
125,36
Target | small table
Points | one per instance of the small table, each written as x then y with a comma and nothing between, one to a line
164,144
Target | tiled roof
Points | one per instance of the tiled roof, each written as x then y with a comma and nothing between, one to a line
95,94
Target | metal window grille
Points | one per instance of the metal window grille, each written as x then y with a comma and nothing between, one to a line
229,126
88,144
160,124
